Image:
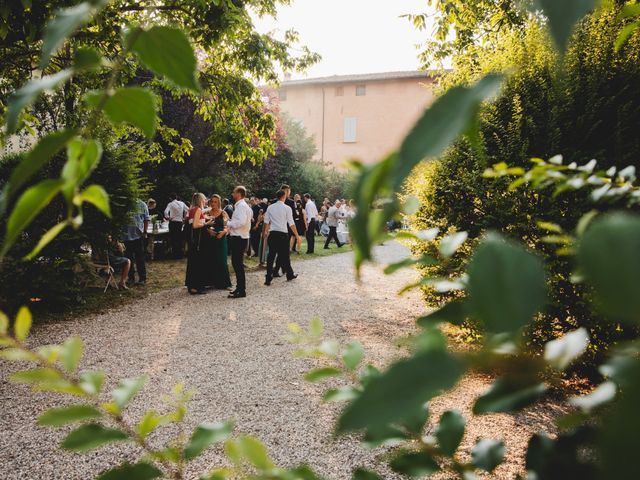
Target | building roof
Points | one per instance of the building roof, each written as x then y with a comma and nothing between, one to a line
367,77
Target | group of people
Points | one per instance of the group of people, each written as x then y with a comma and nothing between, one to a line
214,228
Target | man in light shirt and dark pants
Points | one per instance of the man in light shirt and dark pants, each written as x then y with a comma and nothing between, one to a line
239,232
312,214
278,217
176,212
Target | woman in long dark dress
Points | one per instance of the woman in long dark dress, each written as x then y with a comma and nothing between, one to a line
196,230
300,218
216,267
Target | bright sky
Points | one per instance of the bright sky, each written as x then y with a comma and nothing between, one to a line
353,36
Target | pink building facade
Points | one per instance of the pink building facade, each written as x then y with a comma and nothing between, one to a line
361,117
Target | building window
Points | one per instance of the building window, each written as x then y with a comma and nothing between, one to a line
282,94
350,129
339,91
361,90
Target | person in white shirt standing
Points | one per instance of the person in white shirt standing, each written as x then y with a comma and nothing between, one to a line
175,213
239,232
312,215
279,216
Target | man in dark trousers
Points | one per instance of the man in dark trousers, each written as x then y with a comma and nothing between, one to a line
277,221
176,212
312,215
239,231
333,216
133,238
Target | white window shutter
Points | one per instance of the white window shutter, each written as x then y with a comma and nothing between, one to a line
350,129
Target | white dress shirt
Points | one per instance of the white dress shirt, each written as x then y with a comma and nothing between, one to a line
176,211
240,223
312,211
278,216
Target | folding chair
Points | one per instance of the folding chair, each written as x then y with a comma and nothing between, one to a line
103,268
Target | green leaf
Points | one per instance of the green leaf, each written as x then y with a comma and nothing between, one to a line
559,353
97,196
168,52
401,390
126,390
414,464
340,394
253,451
71,353
315,327
506,285
4,323
362,474
449,432
353,355
205,435
487,454
83,157
44,150
508,394
35,375
91,382
321,373
563,16
138,471
17,355
26,95
450,244
86,58
609,255
454,312
27,209
22,325
93,435
133,105
603,394
409,262
66,21
47,238
57,417
149,423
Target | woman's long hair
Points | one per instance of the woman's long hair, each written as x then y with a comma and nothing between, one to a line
198,200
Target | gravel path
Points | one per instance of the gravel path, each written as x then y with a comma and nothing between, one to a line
234,355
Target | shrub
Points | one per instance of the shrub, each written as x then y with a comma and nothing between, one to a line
61,272
584,111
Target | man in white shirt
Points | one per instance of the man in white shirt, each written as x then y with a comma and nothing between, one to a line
312,215
333,216
239,231
279,216
175,213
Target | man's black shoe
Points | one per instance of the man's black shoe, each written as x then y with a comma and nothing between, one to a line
340,245
327,248
237,295
276,275
267,282
293,277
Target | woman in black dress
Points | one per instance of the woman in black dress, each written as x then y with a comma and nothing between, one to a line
196,230
216,257
300,219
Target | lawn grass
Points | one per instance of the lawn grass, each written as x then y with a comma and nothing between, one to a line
162,275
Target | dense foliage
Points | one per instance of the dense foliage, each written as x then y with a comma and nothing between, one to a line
586,110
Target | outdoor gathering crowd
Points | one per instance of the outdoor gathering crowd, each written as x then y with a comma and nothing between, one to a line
214,228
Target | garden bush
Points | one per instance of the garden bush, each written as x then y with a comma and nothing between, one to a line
61,272
584,110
